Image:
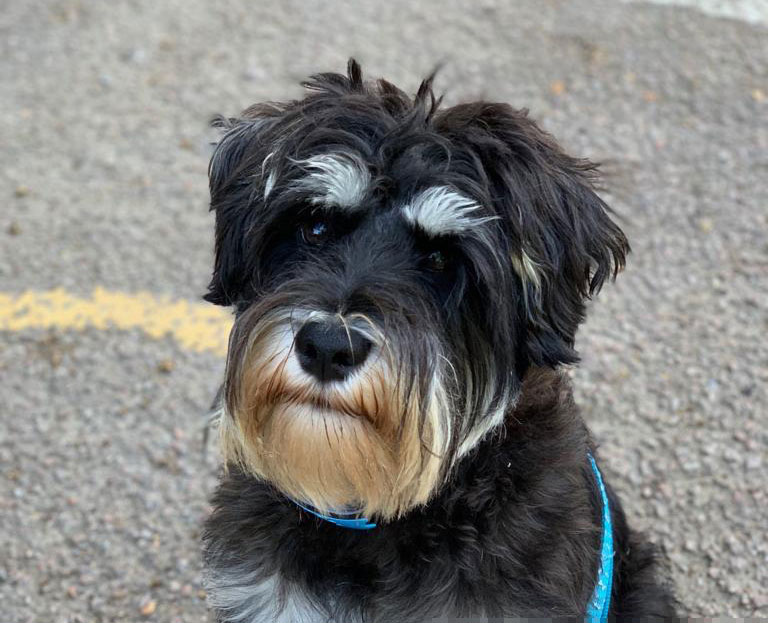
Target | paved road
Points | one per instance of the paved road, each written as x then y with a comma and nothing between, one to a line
102,173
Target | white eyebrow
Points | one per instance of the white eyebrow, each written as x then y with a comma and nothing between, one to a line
338,180
440,210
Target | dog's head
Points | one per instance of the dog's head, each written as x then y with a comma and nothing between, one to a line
395,268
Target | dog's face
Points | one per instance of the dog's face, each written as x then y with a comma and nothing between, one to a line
395,269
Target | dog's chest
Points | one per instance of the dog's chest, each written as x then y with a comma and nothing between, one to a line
247,597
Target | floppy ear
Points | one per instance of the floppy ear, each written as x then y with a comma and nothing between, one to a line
563,244
239,151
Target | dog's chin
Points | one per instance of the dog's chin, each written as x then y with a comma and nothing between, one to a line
325,457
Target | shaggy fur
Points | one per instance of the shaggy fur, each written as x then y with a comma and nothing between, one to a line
456,249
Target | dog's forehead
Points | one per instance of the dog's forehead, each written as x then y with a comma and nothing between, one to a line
345,180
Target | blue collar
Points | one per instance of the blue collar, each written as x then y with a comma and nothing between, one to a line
345,519
600,603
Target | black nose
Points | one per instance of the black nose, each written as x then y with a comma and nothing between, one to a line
329,351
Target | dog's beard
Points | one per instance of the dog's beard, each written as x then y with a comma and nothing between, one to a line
375,442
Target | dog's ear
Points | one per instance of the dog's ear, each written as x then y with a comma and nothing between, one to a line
563,244
240,150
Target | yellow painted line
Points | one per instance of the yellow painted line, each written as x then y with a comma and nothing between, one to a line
198,327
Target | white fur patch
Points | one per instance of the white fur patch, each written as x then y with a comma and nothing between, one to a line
247,597
269,183
527,269
338,180
489,422
440,210
478,433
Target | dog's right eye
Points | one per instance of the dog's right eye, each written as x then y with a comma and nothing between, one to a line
315,231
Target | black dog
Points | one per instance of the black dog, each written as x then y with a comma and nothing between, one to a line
400,445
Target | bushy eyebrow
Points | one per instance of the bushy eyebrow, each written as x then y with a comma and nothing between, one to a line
336,180
441,211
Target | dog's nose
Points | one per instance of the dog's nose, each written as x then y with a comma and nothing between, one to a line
329,351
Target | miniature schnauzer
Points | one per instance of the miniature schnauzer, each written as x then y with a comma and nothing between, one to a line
401,445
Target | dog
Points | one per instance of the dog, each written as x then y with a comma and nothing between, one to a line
400,439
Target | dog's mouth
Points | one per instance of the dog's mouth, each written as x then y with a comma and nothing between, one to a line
323,406
318,404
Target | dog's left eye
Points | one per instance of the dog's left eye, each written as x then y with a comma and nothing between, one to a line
315,231
437,261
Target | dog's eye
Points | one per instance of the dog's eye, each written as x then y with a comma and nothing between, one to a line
315,231
437,261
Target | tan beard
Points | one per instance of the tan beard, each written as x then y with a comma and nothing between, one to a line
362,443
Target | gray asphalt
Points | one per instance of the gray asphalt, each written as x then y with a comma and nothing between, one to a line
103,113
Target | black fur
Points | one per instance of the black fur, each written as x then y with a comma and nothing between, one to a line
515,529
